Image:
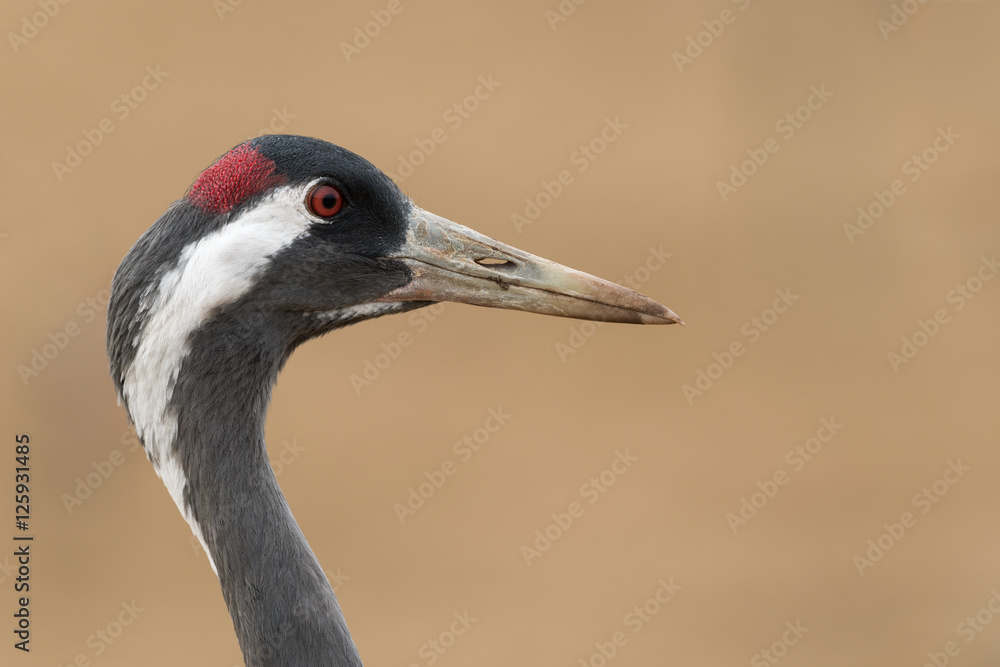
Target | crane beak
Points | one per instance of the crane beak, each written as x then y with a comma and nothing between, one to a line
454,263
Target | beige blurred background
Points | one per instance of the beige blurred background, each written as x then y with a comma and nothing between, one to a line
346,457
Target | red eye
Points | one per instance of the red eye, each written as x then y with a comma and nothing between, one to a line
325,201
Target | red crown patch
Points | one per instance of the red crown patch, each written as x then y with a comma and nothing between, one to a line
237,175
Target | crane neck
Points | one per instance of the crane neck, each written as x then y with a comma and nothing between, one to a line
281,602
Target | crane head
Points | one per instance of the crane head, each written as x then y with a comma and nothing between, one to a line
298,236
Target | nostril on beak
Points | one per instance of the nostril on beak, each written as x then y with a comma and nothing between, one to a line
496,263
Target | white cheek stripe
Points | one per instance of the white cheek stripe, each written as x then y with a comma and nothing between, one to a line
361,311
216,270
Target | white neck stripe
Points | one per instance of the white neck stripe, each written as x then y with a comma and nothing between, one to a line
215,270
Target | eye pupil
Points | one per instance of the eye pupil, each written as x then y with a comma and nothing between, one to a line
325,201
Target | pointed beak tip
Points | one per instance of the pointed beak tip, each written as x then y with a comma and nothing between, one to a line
666,317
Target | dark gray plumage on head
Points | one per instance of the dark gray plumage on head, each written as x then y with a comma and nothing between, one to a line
283,239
